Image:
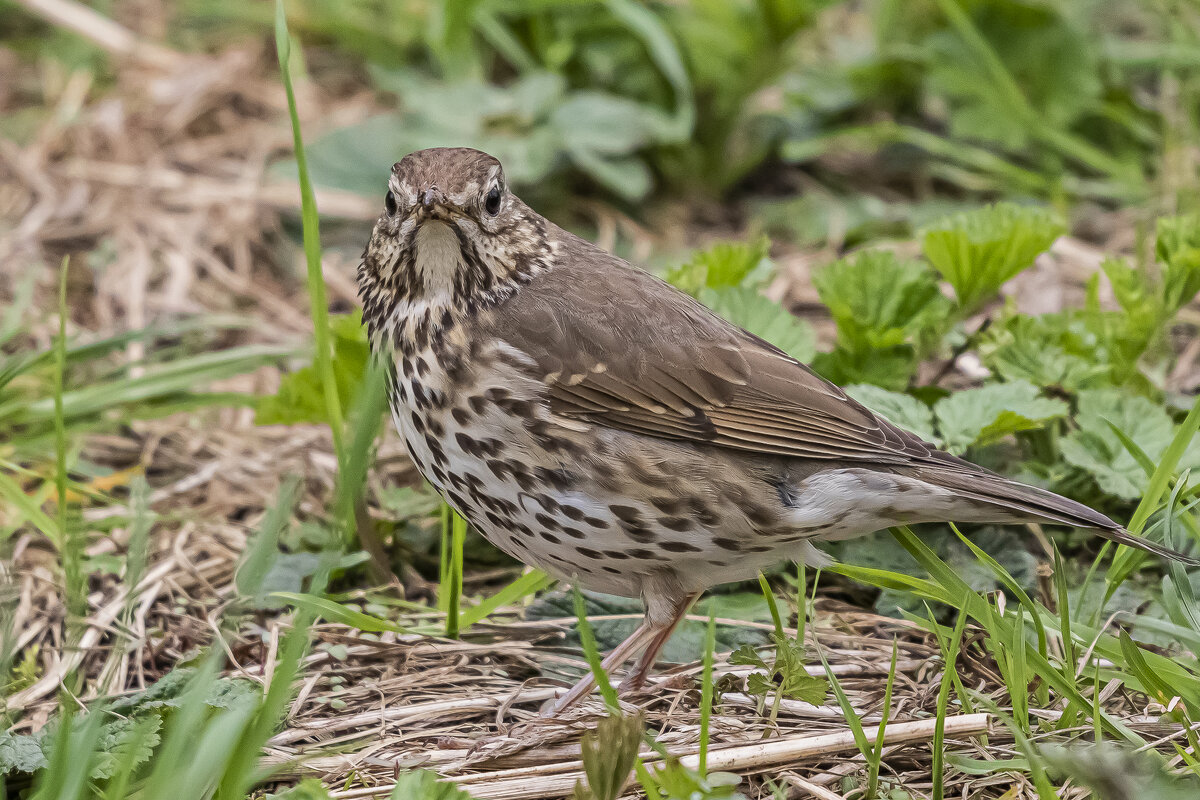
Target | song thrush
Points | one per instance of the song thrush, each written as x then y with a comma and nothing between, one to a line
595,422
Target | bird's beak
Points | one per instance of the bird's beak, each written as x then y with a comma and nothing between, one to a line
433,202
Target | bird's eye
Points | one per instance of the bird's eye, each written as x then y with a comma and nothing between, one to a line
491,203
389,204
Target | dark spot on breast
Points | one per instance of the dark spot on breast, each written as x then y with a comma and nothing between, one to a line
460,415
467,444
574,533
476,403
679,547
436,428
611,570
675,523
547,521
588,552
549,537
571,512
560,479
496,395
667,505
727,544
617,554
418,422
595,522
625,513
638,532
646,555
422,367
703,513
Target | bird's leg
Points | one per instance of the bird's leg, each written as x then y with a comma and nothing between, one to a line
646,632
637,676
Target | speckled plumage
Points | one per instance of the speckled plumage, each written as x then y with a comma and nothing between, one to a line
593,421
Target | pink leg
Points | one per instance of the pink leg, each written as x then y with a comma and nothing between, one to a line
637,676
621,653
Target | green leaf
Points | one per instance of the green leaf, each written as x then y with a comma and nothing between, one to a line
762,316
19,753
903,410
888,313
1178,248
1050,350
126,743
1095,449
978,251
608,754
1037,46
307,789
986,414
301,399
424,785
879,301
723,265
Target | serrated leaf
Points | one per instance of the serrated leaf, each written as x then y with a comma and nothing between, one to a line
762,316
1051,350
903,410
125,744
879,301
1178,248
19,753
301,398
985,414
1097,450
721,266
424,785
747,656
979,251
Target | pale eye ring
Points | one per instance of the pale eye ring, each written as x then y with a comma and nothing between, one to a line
491,203
389,203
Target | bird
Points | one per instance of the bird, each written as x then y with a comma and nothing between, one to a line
593,421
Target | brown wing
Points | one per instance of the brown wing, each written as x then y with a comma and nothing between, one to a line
620,347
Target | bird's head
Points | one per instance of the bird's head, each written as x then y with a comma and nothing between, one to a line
450,231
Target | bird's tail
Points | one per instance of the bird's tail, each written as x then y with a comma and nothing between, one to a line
1018,500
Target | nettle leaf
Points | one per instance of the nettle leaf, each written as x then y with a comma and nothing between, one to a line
903,410
889,369
762,316
1098,451
988,413
1048,350
723,265
126,743
979,251
1178,248
879,301
301,396
887,313
19,753
1053,61
787,674
425,785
